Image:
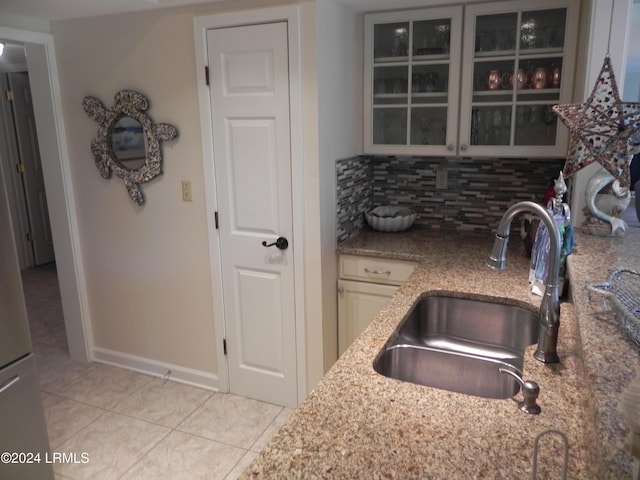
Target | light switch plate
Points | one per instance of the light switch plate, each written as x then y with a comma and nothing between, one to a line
187,194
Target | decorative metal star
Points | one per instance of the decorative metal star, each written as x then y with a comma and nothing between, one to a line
600,128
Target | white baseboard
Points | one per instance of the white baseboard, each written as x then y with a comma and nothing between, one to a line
154,368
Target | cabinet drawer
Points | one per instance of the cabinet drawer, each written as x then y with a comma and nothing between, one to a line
376,270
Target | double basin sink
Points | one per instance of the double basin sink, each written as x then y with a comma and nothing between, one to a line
460,345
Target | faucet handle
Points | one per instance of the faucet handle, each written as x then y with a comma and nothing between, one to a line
530,392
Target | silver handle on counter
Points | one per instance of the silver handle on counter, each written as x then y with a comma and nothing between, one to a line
565,459
450,147
7,385
463,147
530,392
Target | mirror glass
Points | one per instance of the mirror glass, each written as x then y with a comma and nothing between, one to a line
128,142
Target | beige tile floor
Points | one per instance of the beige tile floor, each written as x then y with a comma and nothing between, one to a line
133,426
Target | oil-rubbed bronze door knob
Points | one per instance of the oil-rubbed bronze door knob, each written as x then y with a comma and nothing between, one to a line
281,243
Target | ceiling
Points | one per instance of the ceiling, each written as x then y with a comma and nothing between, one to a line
46,10
67,9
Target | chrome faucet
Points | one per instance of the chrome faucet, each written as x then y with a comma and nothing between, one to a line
550,306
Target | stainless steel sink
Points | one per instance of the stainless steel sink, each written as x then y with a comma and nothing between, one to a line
460,344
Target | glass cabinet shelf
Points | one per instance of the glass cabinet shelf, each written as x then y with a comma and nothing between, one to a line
494,93
523,53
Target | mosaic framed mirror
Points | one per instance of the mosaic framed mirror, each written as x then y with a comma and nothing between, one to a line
128,142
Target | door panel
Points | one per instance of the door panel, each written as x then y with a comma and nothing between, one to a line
265,290
251,136
247,140
33,178
247,73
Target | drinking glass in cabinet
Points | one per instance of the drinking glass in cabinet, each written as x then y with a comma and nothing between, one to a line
543,29
390,85
491,125
390,126
390,41
430,79
495,34
431,37
535,125
428,126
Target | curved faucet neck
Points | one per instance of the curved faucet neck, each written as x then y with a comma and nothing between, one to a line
550,304
504,228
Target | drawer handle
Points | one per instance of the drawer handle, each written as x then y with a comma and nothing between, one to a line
7,385
378,272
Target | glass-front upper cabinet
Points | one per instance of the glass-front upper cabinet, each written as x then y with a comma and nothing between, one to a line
412,81
518,62
433,89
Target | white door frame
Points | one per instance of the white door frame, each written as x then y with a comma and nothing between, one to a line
291,15
45,88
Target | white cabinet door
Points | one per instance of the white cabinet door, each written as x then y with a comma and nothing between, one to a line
412,80
358,304
518,61
434,88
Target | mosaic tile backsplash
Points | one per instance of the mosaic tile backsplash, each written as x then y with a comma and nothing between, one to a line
354,195
478,193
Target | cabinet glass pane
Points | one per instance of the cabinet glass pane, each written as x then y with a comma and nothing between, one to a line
491,125
535,125
492,81
390,41
496,34
542,75
390,85
542,29
429,126
429,83
431,37
390,126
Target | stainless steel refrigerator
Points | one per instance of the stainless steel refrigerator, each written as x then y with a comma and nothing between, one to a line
24,444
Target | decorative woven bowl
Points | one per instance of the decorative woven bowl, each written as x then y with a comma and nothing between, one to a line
390,219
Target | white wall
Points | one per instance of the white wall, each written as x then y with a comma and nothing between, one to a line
598,15
632,73
340,60
147,282
147,273
631,87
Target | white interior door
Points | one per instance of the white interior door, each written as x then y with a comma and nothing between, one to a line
249,82
32,174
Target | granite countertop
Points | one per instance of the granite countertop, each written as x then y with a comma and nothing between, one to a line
611,360
359,424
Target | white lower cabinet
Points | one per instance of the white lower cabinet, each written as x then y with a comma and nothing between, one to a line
366,284
358,303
